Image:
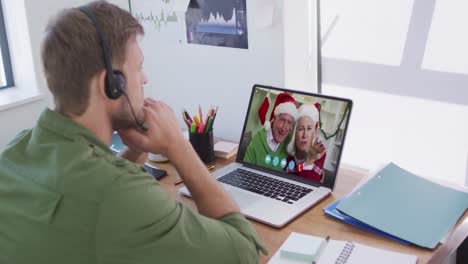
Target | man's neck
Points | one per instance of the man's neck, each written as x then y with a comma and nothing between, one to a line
271,141
99,125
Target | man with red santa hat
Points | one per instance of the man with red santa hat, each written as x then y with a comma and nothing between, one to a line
268,146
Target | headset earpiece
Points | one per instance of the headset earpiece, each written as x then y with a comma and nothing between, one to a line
120,81
115,84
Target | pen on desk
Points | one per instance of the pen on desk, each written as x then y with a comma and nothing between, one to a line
209,124
186,121
200,113
193,127
215,112
201,129
208,115
195,119
179,180
188,116
322,247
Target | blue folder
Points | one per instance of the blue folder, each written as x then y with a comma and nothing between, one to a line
407,206
331,211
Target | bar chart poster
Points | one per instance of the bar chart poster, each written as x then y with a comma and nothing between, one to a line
220,23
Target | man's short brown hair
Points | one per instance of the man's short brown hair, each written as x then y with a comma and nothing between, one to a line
72,53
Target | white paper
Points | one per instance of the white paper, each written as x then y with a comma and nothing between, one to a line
180,5
225,147
264,13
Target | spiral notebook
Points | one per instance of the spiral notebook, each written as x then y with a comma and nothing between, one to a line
339,252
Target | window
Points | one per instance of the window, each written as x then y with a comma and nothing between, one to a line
6,75
24,34
404,64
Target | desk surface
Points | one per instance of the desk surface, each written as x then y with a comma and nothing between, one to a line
313,221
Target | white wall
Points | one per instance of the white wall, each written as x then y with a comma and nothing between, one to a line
186,75
207,75
405,65
300,45
19,117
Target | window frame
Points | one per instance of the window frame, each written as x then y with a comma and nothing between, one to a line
5,53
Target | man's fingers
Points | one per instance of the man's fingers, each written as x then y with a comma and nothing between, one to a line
133,138
150,116
150,103
149,99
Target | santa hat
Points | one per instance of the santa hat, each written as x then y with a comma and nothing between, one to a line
307,110
284,104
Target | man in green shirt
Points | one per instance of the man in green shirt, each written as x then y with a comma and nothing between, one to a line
66,199
268,146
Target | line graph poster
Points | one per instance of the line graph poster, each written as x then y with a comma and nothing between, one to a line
217,23
159,17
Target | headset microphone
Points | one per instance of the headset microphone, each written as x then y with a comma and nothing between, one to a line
115,80
139,124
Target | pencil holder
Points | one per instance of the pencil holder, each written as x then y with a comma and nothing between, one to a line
203,145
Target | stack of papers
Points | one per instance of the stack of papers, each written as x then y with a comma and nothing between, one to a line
225,150
403,206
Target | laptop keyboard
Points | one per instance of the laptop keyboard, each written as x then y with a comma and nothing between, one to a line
266,186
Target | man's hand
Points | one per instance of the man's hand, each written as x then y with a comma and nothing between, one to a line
163,132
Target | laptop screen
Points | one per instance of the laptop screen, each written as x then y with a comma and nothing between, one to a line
295,134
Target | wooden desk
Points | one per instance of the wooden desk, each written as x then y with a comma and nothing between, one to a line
314,221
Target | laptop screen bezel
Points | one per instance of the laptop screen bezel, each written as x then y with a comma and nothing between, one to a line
284,174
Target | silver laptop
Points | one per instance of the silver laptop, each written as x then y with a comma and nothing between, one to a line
275,188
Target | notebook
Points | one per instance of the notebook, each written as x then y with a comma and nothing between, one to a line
338,252
271,188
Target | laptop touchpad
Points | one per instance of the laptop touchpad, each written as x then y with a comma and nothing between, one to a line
243,199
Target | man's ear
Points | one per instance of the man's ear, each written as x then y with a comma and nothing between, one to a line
101,83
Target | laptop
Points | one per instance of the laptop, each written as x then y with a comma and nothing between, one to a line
275,188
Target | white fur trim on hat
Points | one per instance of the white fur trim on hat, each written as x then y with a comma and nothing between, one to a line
308,110
286,108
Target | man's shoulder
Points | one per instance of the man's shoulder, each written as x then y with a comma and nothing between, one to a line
97,169
66,166
260,135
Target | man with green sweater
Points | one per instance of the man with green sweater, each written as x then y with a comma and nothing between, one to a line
268,146
65,198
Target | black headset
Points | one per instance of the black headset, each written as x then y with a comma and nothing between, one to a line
115,80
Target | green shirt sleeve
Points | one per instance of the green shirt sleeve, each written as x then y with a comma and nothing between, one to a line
139,222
